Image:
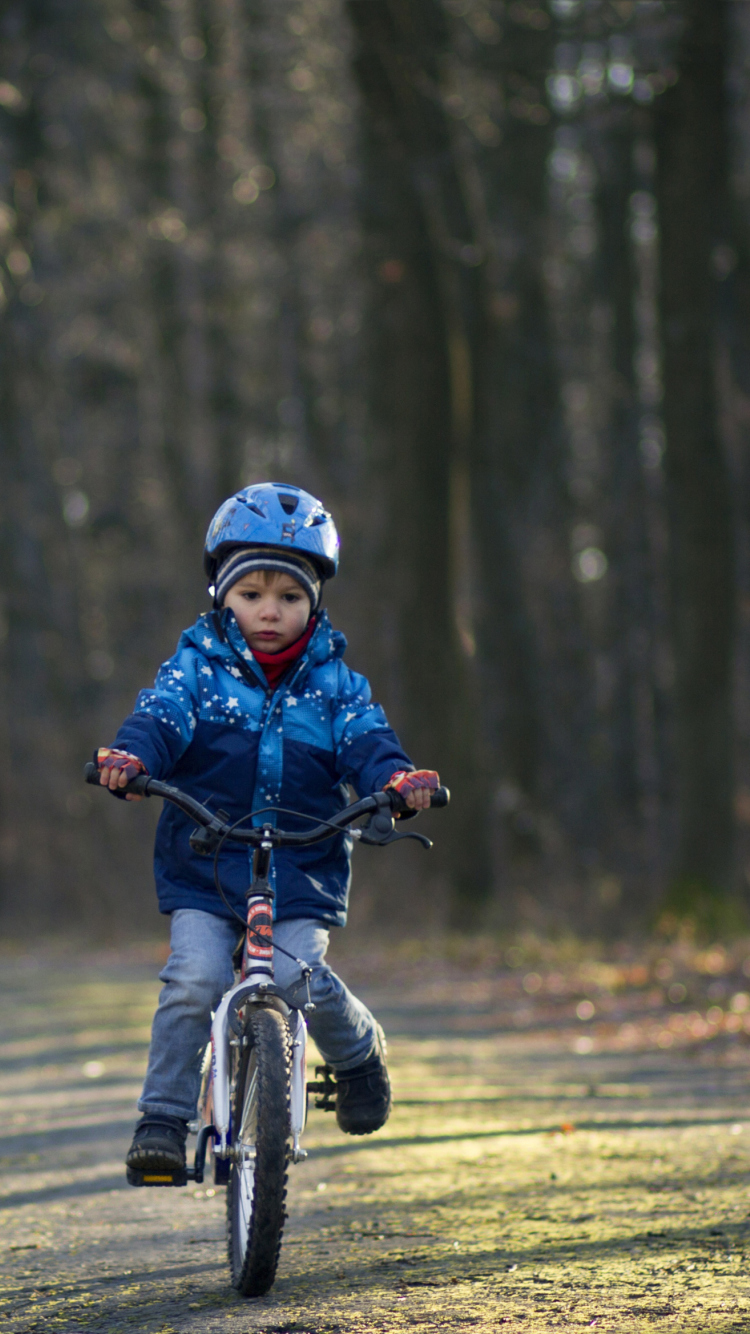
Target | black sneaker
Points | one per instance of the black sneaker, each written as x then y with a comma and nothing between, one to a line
363,1095
157,1155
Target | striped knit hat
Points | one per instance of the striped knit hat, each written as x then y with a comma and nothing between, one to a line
245,559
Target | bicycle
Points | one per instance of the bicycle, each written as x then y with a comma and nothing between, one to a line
254,1092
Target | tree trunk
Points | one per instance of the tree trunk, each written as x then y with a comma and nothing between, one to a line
424,388
691,172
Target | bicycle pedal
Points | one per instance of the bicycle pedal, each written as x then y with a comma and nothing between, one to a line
324,1090
136,1178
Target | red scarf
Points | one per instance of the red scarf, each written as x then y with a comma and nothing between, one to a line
275,664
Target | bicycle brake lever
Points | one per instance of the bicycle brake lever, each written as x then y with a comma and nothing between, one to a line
396,838
379,831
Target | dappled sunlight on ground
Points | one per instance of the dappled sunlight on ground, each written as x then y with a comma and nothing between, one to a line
569,1147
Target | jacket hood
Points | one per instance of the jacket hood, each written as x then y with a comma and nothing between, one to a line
326,644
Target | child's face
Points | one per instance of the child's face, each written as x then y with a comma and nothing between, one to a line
271,609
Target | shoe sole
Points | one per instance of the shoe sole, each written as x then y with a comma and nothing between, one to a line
156,1172
156,1178
364,1127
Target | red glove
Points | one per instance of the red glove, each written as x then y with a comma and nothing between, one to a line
418,780
120,761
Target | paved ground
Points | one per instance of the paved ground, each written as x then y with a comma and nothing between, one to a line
570,1148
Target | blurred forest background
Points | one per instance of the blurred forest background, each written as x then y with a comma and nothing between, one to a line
477,272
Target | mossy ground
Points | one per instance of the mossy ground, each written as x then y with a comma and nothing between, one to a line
570,1147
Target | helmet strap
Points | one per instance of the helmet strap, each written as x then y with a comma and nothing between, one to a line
217,618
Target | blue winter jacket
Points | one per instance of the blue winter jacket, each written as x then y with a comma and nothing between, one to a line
213,727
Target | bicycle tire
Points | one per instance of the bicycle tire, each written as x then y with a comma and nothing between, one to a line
256,1192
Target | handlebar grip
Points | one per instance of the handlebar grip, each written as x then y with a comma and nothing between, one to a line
440,797
139,784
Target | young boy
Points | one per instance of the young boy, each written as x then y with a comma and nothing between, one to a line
257,709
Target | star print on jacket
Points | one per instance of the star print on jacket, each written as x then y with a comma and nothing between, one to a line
213,726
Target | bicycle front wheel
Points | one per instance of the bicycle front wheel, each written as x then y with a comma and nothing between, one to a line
256,1194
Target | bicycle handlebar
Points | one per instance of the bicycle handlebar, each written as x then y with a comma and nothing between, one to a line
218,828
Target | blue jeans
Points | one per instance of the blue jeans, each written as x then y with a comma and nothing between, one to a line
195,977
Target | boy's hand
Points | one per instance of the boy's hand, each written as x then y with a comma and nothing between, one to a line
415,787
116,768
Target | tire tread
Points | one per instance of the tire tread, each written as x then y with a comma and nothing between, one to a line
253,1274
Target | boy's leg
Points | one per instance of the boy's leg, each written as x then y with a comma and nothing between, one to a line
198,971
344,1030
346,1034
195,976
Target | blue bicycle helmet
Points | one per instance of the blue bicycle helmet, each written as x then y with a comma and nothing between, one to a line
273,515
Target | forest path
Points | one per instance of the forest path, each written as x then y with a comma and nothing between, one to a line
539,1172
